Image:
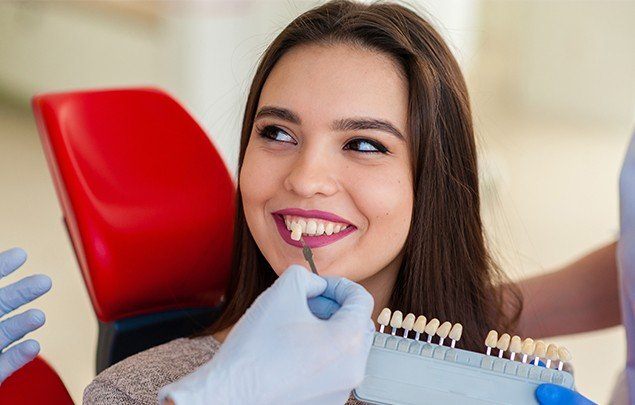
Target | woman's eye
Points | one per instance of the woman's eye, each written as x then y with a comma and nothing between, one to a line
274,133
365,146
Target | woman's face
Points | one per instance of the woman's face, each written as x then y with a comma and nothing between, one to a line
328,150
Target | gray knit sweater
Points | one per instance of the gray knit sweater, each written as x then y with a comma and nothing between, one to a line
137,379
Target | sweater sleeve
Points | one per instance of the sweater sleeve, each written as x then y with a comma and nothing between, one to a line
102,393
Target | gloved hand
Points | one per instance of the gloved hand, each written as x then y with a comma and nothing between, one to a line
14,296
551,394
279,352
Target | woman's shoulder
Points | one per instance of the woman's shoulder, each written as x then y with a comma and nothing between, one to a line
138,378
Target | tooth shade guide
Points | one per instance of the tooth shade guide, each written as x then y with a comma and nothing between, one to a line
515,346
443,331
502,344
552,354
527,349
419,326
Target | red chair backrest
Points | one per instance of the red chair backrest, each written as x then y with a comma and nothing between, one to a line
34,384
147,199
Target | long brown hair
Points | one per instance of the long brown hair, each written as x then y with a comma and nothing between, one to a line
446,272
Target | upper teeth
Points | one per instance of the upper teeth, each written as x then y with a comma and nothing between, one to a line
314,226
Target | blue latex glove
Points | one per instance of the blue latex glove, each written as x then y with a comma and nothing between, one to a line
551,394
280,352
14,328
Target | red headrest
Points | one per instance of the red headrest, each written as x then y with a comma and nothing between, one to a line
34,384
148,200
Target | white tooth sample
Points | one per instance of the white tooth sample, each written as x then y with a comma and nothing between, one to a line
552,354
455,333
527,348
491,339
311,227
515,346
419,326
383,319
320,229
503,344
407,324
431,328
328,229
443,331
564,356
296,231
395,321
539,351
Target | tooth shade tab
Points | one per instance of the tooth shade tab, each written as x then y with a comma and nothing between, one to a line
432,327
408,322
563,354
420,324
396,320
552,352
492,339
384,317
515,345
528,347
444,330
456,332
296,231
541,349
503,342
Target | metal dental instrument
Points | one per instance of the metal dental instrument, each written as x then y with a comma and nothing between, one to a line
308,256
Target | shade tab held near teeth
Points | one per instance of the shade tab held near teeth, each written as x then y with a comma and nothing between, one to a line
296,231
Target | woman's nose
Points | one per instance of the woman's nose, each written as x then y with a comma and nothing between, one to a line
311,174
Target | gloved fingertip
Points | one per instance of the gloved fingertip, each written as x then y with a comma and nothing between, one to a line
42,283
37,317
30,348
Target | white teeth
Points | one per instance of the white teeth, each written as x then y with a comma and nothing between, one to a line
320,229
311,227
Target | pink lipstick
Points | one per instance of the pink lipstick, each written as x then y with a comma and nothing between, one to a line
311,241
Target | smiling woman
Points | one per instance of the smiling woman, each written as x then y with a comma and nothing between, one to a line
358,130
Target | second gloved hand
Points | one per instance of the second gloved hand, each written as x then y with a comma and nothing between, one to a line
281,352
551,394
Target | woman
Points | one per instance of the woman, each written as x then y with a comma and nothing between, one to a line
357,125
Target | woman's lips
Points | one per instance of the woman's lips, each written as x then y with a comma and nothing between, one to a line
311,241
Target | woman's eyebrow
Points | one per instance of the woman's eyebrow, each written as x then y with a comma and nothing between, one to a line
343,124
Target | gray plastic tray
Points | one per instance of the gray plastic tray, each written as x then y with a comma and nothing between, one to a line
407,371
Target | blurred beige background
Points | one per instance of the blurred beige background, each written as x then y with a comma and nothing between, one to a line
554,98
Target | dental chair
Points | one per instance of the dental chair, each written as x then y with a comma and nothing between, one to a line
34,384
148,205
